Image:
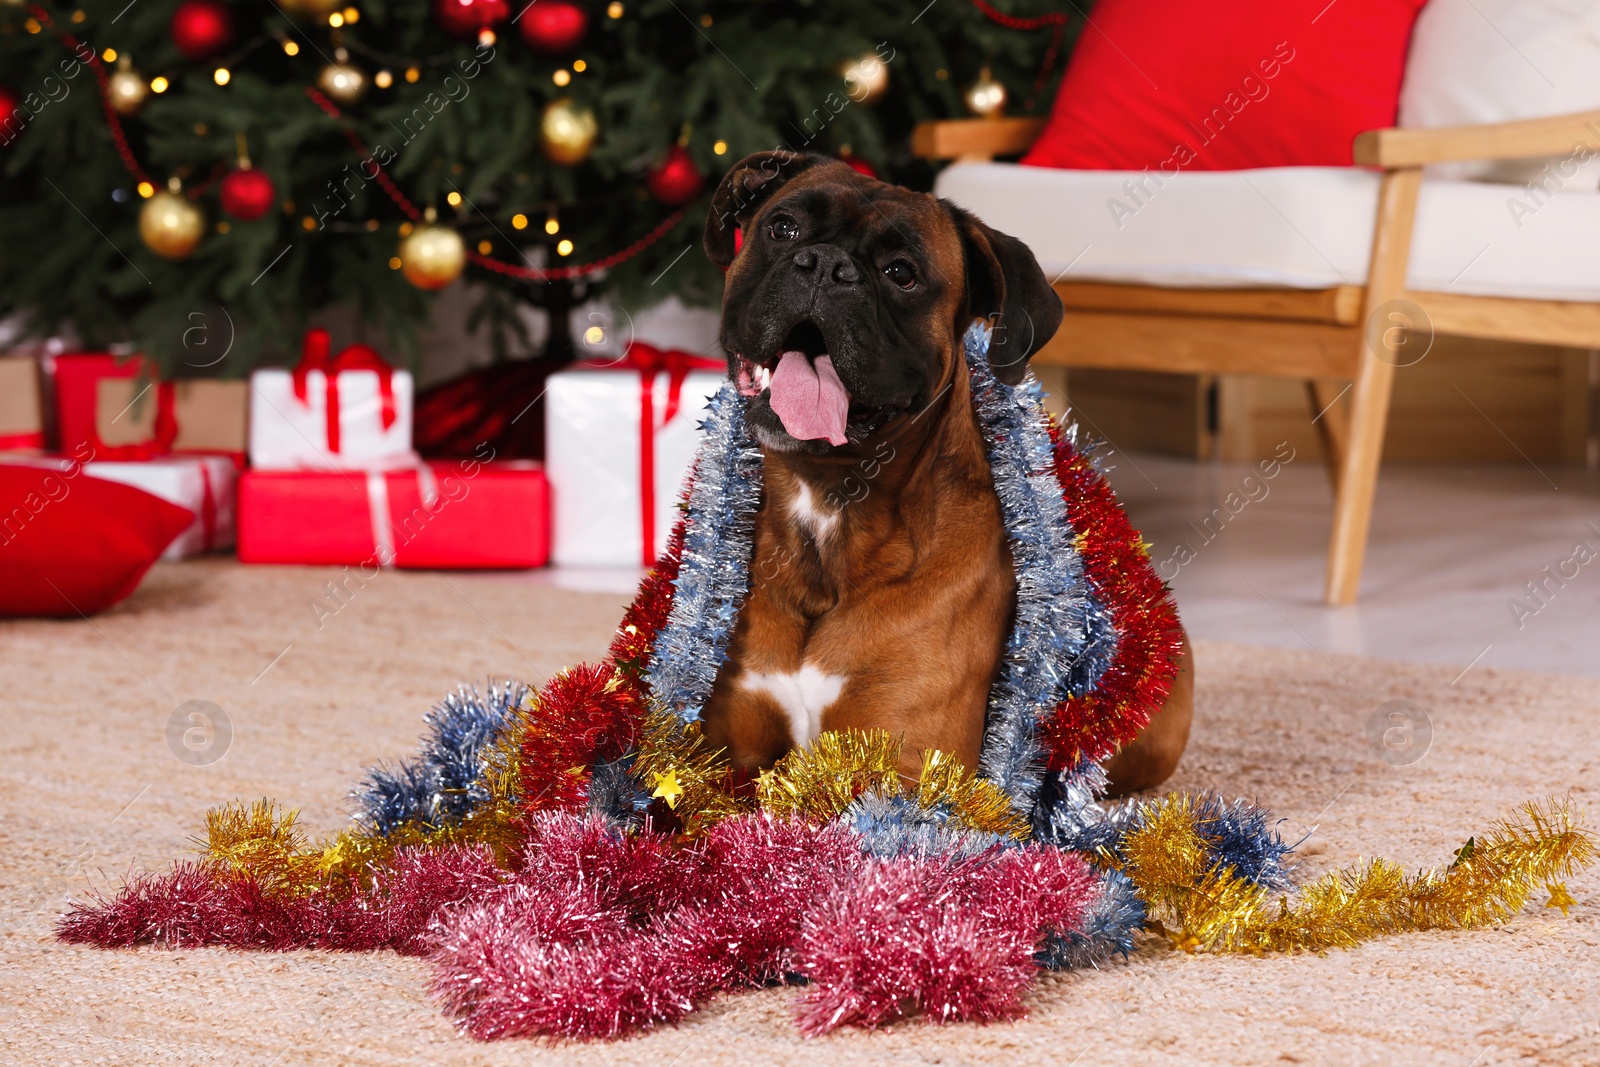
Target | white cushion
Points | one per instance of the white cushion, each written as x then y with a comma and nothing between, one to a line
1479,61
1300,227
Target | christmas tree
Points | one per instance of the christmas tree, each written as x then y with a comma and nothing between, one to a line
168,164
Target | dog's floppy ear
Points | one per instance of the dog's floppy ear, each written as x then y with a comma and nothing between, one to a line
1006,286
747,185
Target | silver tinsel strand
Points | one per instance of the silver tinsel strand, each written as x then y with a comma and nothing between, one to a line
1057,620
714,574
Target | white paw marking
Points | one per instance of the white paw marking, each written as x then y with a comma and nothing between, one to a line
803,695
808,513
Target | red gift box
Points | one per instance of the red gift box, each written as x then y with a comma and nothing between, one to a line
449,515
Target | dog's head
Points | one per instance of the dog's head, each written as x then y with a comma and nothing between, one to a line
846,301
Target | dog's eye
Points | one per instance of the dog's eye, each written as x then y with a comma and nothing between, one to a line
784,228
901,274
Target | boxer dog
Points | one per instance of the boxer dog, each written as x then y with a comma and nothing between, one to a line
882,589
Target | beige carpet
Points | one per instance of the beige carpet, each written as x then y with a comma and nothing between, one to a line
92,789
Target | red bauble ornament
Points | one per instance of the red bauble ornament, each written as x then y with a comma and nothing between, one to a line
9,104
859,165
465,18
676,180
248,194
202,28
554,27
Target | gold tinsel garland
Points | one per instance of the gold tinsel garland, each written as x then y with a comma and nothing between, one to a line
1199,904
1203,907
677,767
817,783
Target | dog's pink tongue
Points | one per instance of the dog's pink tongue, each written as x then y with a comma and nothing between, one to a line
810,399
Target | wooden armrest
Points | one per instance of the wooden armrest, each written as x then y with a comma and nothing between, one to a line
974,138
1552,136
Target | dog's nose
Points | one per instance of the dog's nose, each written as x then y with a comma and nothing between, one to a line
830,263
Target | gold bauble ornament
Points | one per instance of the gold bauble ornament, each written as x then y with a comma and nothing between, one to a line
432,256
126,88
986,97
865,79
342,81
170,224
567,132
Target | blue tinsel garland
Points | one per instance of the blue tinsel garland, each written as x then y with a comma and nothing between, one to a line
444,782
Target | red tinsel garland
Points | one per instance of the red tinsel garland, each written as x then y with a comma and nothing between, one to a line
595,712
1149,637
584,715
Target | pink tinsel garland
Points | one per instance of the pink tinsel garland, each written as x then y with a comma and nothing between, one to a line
607,935
603,934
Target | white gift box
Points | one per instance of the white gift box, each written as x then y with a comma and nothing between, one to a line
335,419
593,461
288,433
206,485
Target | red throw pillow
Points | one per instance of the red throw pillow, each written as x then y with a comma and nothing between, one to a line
71,543
1201,85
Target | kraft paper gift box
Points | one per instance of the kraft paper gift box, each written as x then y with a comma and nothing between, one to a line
118,410
21,405
619,441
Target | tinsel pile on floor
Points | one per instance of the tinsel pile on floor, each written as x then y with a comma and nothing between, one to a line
576,864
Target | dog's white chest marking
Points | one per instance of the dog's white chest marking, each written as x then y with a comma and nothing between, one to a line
803,695
812,515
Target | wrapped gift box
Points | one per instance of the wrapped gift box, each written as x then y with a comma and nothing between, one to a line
21,408
120,411
457,515
203,484
614,486
345,412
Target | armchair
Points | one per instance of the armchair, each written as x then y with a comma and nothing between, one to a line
1262,272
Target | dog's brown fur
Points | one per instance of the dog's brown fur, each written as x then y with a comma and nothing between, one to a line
882,566
908,597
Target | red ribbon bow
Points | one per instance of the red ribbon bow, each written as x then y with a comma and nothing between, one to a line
208,509
650,361
315,356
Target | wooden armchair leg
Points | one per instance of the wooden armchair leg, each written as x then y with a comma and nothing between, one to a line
1369,397
1332,420
1357,482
